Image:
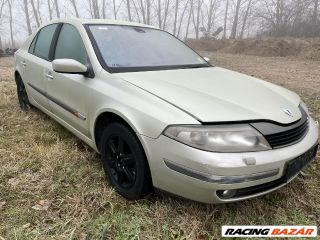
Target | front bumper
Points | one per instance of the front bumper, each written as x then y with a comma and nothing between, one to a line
272,163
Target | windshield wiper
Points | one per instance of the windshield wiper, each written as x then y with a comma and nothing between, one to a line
195,66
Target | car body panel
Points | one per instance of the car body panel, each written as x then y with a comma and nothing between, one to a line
214,94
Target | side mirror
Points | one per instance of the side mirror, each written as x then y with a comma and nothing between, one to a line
207,59
69,66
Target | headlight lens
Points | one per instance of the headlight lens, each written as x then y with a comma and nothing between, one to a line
304,107
220,138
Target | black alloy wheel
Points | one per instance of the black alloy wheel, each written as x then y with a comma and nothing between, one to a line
22,95
124,162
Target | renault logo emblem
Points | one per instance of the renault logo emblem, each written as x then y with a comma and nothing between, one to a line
288,112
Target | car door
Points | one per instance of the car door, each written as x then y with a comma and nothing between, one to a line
69,94
36,61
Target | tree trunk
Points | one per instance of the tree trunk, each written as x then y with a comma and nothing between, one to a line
95,8
245,19
35,13
136,10
10,22
57,8
148,11
189,19
159,14
235,21
197,23
165,17
26,12
315,18
181,17
49,10
225,20
143,12
74,5
104,9
129,10
175,17
114,9
210,15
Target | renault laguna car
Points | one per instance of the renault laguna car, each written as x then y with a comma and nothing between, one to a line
160,115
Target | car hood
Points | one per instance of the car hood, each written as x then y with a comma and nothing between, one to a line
215,94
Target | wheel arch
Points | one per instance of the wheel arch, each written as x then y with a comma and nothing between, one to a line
106,117
17,74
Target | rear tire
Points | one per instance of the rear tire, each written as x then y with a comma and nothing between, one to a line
124,162
22,94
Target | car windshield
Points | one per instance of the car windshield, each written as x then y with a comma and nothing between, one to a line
126,48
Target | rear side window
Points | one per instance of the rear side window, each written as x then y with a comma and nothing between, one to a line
43,41
70,45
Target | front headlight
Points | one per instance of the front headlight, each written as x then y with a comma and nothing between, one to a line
219,138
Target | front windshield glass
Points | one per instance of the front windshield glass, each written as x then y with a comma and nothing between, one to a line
139,47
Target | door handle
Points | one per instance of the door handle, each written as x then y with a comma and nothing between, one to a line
48,75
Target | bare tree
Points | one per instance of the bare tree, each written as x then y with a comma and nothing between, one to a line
74,5
136,8
189,19
114,9
26,11
212,4
9,2
225,19
143,13
315,23
148,11
104,15
245,18
35,13
159,13
129,10
95,8
165,14
162,13
235,21
182,17
49,9
176,8
57,8
196,19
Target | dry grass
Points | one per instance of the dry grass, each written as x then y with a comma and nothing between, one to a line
303,48
42,161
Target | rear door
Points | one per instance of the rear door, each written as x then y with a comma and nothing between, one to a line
70,93
36,62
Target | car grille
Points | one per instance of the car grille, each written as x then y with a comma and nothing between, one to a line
279,135
288,137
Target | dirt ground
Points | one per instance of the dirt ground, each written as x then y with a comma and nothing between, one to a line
52,186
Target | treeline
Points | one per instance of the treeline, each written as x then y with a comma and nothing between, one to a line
184,18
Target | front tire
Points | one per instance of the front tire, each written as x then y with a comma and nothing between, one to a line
124,162
22,94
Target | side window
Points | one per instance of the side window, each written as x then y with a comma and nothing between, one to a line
70,45
43,43
33,43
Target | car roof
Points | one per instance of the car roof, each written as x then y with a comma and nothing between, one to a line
79,21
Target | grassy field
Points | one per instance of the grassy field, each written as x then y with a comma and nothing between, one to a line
52,186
